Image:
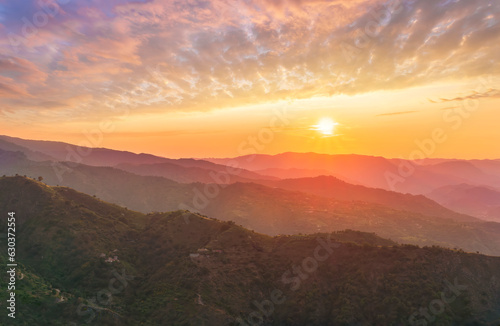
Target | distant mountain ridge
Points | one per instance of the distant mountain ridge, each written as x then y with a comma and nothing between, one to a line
321,204
80,154
190,170
480,201
377,172
261,208
181,170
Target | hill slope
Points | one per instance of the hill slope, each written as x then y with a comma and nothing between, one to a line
331,187
61,151
208,272
188,171
181,170
479,201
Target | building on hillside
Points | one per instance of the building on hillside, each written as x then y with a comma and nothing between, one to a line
111,260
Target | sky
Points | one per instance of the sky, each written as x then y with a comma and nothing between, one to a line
220,78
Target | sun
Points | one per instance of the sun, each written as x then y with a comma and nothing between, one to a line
325,126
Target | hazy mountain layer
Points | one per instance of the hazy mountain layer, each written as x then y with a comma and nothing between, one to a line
263,209
377,172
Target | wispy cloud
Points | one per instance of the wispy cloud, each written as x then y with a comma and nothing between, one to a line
207,54
162,134
493,93
395,113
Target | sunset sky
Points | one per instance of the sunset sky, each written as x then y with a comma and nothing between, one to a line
218,78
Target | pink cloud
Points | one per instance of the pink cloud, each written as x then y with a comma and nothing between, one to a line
199,55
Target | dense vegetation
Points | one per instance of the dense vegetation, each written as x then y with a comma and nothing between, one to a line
180,268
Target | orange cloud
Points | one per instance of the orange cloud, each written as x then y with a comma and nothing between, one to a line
208,54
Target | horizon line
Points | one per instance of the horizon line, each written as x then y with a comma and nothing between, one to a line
233,157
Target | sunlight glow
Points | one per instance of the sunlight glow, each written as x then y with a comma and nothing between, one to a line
326,126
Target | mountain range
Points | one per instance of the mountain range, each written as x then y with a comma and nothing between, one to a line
260,203
415,177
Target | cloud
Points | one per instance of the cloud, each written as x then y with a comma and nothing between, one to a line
491,93
21,69
9,88
162,134
152,56
395,113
